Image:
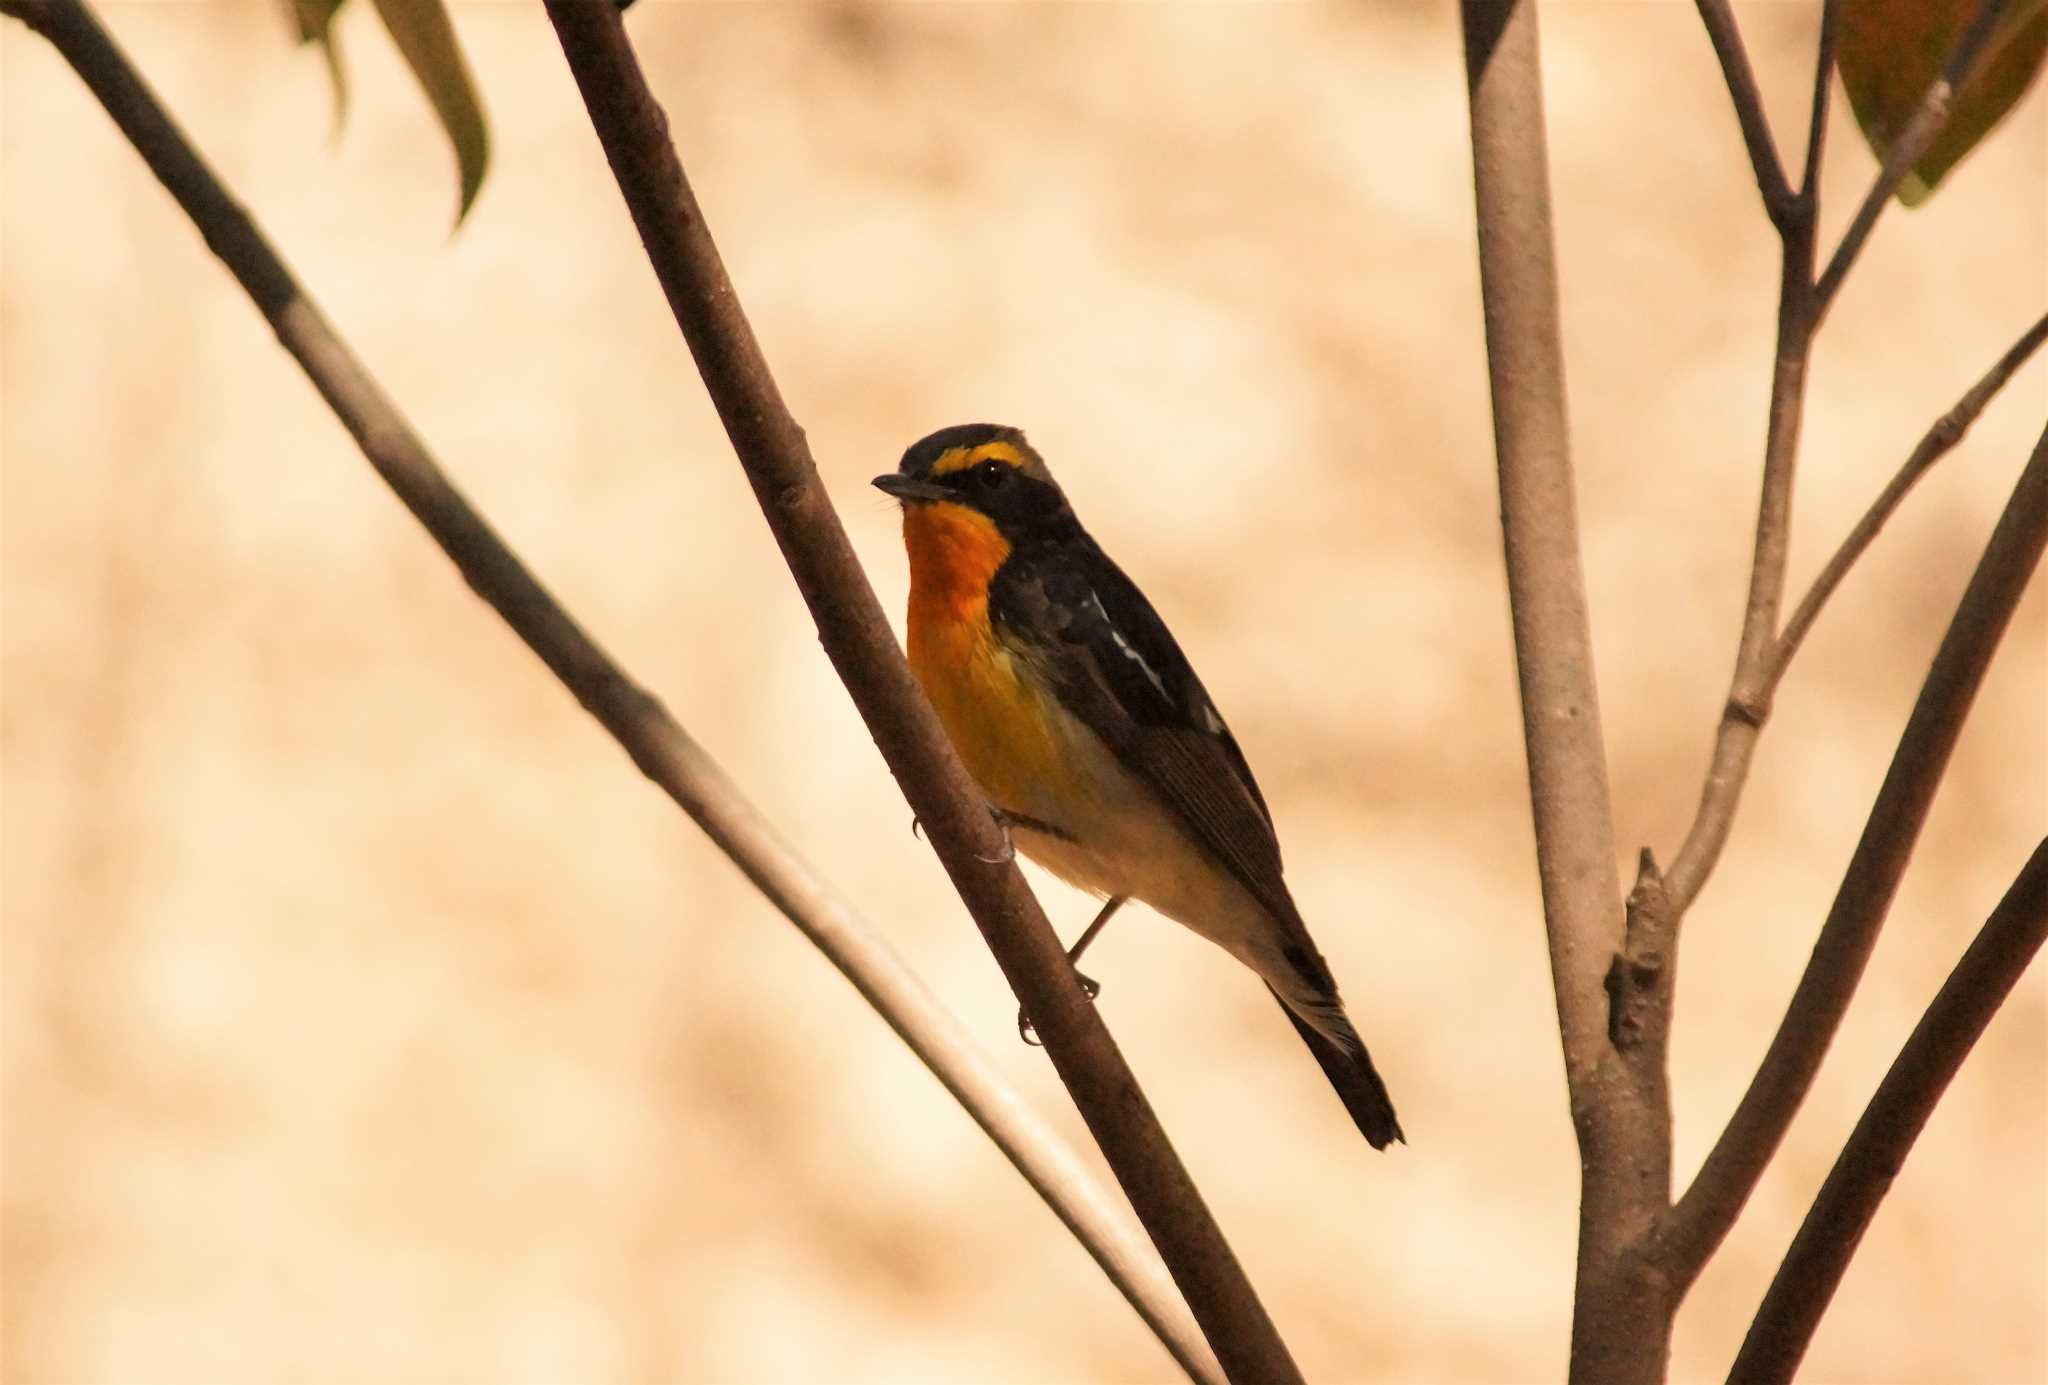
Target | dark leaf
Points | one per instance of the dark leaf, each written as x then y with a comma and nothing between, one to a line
314,20
1890,52
426,39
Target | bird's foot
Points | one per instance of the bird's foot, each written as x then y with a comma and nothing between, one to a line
1009,851
1025,1031
1007,854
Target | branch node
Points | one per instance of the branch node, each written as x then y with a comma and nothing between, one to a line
1946,432
1750,709
1746,1145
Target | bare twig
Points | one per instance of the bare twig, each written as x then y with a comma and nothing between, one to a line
664,752
1749,692
1702,1217
1929,119
1877,1148
1757,682
1940,439
1817,108
1620,1326
1719,18
863,649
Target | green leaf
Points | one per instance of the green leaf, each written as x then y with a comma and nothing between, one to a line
315,22
1890,51
426,40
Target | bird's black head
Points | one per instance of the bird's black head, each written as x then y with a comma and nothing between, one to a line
991,470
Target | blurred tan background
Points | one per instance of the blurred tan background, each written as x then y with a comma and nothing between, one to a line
367,1017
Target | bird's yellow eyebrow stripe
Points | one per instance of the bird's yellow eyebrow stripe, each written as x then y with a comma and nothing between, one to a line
961,458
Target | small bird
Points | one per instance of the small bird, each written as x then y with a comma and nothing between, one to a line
1101,753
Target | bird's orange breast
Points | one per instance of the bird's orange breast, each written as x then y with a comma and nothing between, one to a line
954,553
998,720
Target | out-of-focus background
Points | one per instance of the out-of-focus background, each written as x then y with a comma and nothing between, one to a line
366,1016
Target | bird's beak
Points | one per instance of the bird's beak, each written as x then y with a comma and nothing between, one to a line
909,488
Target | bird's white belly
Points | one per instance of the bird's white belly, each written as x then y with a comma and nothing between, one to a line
1120,840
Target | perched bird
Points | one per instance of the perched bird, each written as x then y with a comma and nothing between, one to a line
1078,715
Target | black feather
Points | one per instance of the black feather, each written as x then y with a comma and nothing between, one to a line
1357,1082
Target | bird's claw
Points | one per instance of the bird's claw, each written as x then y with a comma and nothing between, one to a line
1090,987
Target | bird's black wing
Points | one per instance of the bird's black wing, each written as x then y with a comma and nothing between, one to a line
1118,669
1094,635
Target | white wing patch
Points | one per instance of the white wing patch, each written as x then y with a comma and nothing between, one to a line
1124,646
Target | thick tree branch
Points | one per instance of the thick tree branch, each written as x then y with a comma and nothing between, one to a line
1719,19
857,638
662,750
1620,1326
1939,440
1918,136
1878,1147
1702,1217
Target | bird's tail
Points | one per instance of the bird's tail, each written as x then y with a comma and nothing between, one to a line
1357,1082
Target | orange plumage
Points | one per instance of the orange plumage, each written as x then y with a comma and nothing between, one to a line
996,720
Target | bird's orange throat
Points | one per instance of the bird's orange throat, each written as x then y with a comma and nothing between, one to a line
954,551
997,720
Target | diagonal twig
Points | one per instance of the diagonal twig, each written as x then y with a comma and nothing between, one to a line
1877,1148
1749,690
662,750
1817,107
1703,1216
1946,432
1929,119
1719,18
857,638
1803,303
1749,703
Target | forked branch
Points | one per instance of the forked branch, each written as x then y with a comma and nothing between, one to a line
1763,652
1929,119
1702,1217
1941,438
1795,215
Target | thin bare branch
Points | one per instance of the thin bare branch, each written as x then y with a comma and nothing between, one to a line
1620,1324
1929,119
662,750
1719,18
1817,109
1749,693
857,638
1703,1216
1940,439
1802,303
1877,1148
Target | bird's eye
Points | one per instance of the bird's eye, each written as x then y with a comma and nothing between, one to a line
991,475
